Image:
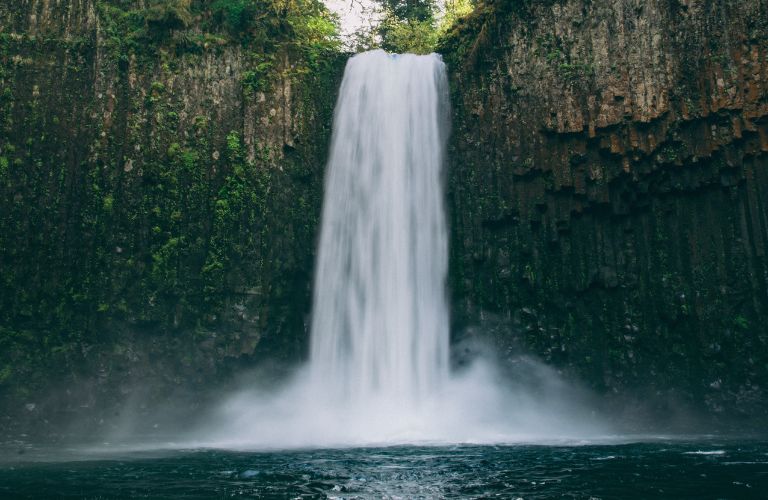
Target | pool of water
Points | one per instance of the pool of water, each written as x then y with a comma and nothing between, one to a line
661,469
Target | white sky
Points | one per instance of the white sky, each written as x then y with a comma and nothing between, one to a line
354,14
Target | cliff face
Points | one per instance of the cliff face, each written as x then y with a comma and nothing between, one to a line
609,190
159,197
161,181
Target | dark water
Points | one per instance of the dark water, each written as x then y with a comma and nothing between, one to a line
674,469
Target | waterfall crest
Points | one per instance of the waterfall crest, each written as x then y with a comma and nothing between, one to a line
380,318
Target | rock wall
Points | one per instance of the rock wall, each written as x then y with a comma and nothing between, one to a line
159,197
160,194
609,191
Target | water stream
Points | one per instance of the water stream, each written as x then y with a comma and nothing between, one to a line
380,318
378,372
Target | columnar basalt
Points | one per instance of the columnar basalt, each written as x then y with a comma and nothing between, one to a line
159,199
609,190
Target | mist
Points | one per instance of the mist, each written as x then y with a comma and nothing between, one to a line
478,405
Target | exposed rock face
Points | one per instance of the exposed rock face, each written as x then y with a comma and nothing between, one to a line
158,202
609,190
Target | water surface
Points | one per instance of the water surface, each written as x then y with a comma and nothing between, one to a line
665,469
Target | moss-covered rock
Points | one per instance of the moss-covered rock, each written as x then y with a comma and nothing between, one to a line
159,195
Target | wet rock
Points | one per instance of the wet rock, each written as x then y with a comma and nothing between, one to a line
636,193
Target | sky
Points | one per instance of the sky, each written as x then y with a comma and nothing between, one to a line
353,14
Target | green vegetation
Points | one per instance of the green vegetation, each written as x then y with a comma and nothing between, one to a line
416,26
741,323
466,33
237,15
168,14
264,27
145,205
408,26
408,35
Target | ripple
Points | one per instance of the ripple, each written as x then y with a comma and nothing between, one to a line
639,470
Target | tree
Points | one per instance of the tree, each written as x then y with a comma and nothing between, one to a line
168,14
416,25
408,26
411,10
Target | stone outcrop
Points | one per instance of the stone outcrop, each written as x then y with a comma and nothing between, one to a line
609,190
159,200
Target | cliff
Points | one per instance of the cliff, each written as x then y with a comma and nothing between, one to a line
160,190
161,180
609,191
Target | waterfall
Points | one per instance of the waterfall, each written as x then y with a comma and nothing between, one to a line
378,371
380,318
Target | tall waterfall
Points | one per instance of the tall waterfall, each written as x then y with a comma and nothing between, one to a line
380,318
378,370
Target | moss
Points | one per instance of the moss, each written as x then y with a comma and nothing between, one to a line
258,78
572,72
108,203
741,323
168,14
5,373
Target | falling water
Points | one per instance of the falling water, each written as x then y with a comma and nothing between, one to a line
380,319
378,371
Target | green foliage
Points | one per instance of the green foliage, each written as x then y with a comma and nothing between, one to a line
315,33
5,373
570,72
257,78
108,203
741,322
413,10
168,14
415,26
240,215
263,25
408,36
165,263
237,15
408,26
234,146
131,29
454,11
269,24
123,29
